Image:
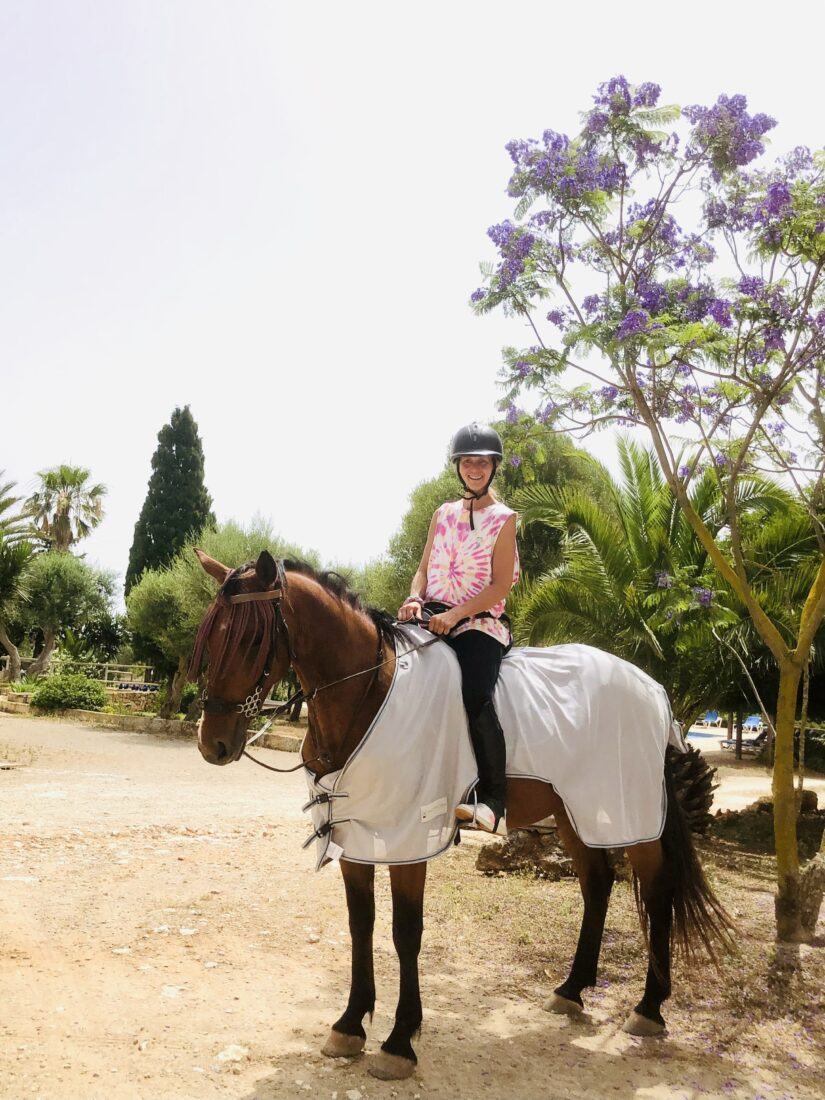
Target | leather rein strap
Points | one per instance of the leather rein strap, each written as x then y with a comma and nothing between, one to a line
252,706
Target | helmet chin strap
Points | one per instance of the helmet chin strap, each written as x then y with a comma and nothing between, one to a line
474,494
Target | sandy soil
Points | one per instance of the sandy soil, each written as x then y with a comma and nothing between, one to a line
156,913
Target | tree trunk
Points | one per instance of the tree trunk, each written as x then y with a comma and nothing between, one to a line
13,672
41,662
803,722
195,709
739,735
176,684
812,890
789,927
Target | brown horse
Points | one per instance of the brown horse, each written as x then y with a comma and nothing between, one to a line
268,615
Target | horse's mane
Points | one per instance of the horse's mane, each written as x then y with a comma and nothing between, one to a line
338,587
261,615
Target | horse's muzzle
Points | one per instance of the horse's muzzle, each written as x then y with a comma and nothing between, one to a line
222,746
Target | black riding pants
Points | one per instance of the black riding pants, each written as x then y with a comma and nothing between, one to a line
479,657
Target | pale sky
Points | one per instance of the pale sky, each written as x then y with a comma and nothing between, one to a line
274,212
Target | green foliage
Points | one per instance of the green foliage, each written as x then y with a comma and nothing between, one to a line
64,592
65,507
15,521
166,606
634,578
177,506
68,692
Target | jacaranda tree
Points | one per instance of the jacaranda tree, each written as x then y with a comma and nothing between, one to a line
709,332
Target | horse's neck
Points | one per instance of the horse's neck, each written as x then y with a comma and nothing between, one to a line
332,641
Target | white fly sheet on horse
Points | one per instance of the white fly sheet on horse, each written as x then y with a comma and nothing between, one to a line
589,723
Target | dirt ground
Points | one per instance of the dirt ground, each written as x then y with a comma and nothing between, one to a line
158,920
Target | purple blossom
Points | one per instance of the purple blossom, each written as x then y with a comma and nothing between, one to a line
751,285
634,322
704,596
515,460
719,310
798,160
646,95
478,295
777,198
774,340
592,304
512,414
547,412
614,94
720,460
664,579
523,368
609,393
726,133
557,318
684,471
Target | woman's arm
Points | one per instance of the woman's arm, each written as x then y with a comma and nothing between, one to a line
501,581
418,588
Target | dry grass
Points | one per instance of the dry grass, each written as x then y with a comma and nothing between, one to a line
766,997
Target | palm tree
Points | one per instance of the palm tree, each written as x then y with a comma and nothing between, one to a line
16,549
633,577
14,560
65,507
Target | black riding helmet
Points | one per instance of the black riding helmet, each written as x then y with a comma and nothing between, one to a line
476,439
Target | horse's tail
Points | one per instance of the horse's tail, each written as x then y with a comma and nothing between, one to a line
697,912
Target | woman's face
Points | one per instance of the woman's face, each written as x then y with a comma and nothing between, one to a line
476,470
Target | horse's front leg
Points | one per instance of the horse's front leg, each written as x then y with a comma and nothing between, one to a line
347,1037
396,1058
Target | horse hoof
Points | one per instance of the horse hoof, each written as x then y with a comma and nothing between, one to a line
641,1025
391,1067
339,1045
560,1004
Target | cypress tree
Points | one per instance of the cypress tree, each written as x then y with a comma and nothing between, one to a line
177,505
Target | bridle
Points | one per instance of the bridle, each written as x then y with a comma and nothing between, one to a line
252,705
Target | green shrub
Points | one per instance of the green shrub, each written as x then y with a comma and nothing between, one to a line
187,696
69,691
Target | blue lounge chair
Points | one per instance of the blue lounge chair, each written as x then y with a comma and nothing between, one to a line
753,723
712,718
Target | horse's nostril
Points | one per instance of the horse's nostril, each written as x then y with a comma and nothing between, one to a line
221,751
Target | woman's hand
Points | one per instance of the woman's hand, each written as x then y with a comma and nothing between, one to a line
444,623
410,609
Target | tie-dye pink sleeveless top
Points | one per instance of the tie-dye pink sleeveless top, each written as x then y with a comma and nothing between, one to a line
461,561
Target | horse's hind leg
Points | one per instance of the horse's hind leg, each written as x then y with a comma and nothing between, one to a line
656,890
347,1037
595,881
396,1058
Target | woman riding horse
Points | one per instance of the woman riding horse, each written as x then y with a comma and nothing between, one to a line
269,615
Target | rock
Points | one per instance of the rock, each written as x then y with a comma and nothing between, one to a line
233,1053
526,850
809,803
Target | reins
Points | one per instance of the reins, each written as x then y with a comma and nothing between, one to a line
252,706
307,697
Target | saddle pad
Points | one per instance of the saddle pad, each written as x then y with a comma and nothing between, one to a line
394,799
593,725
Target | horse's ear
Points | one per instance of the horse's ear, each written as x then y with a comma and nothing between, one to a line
214,568
265,568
